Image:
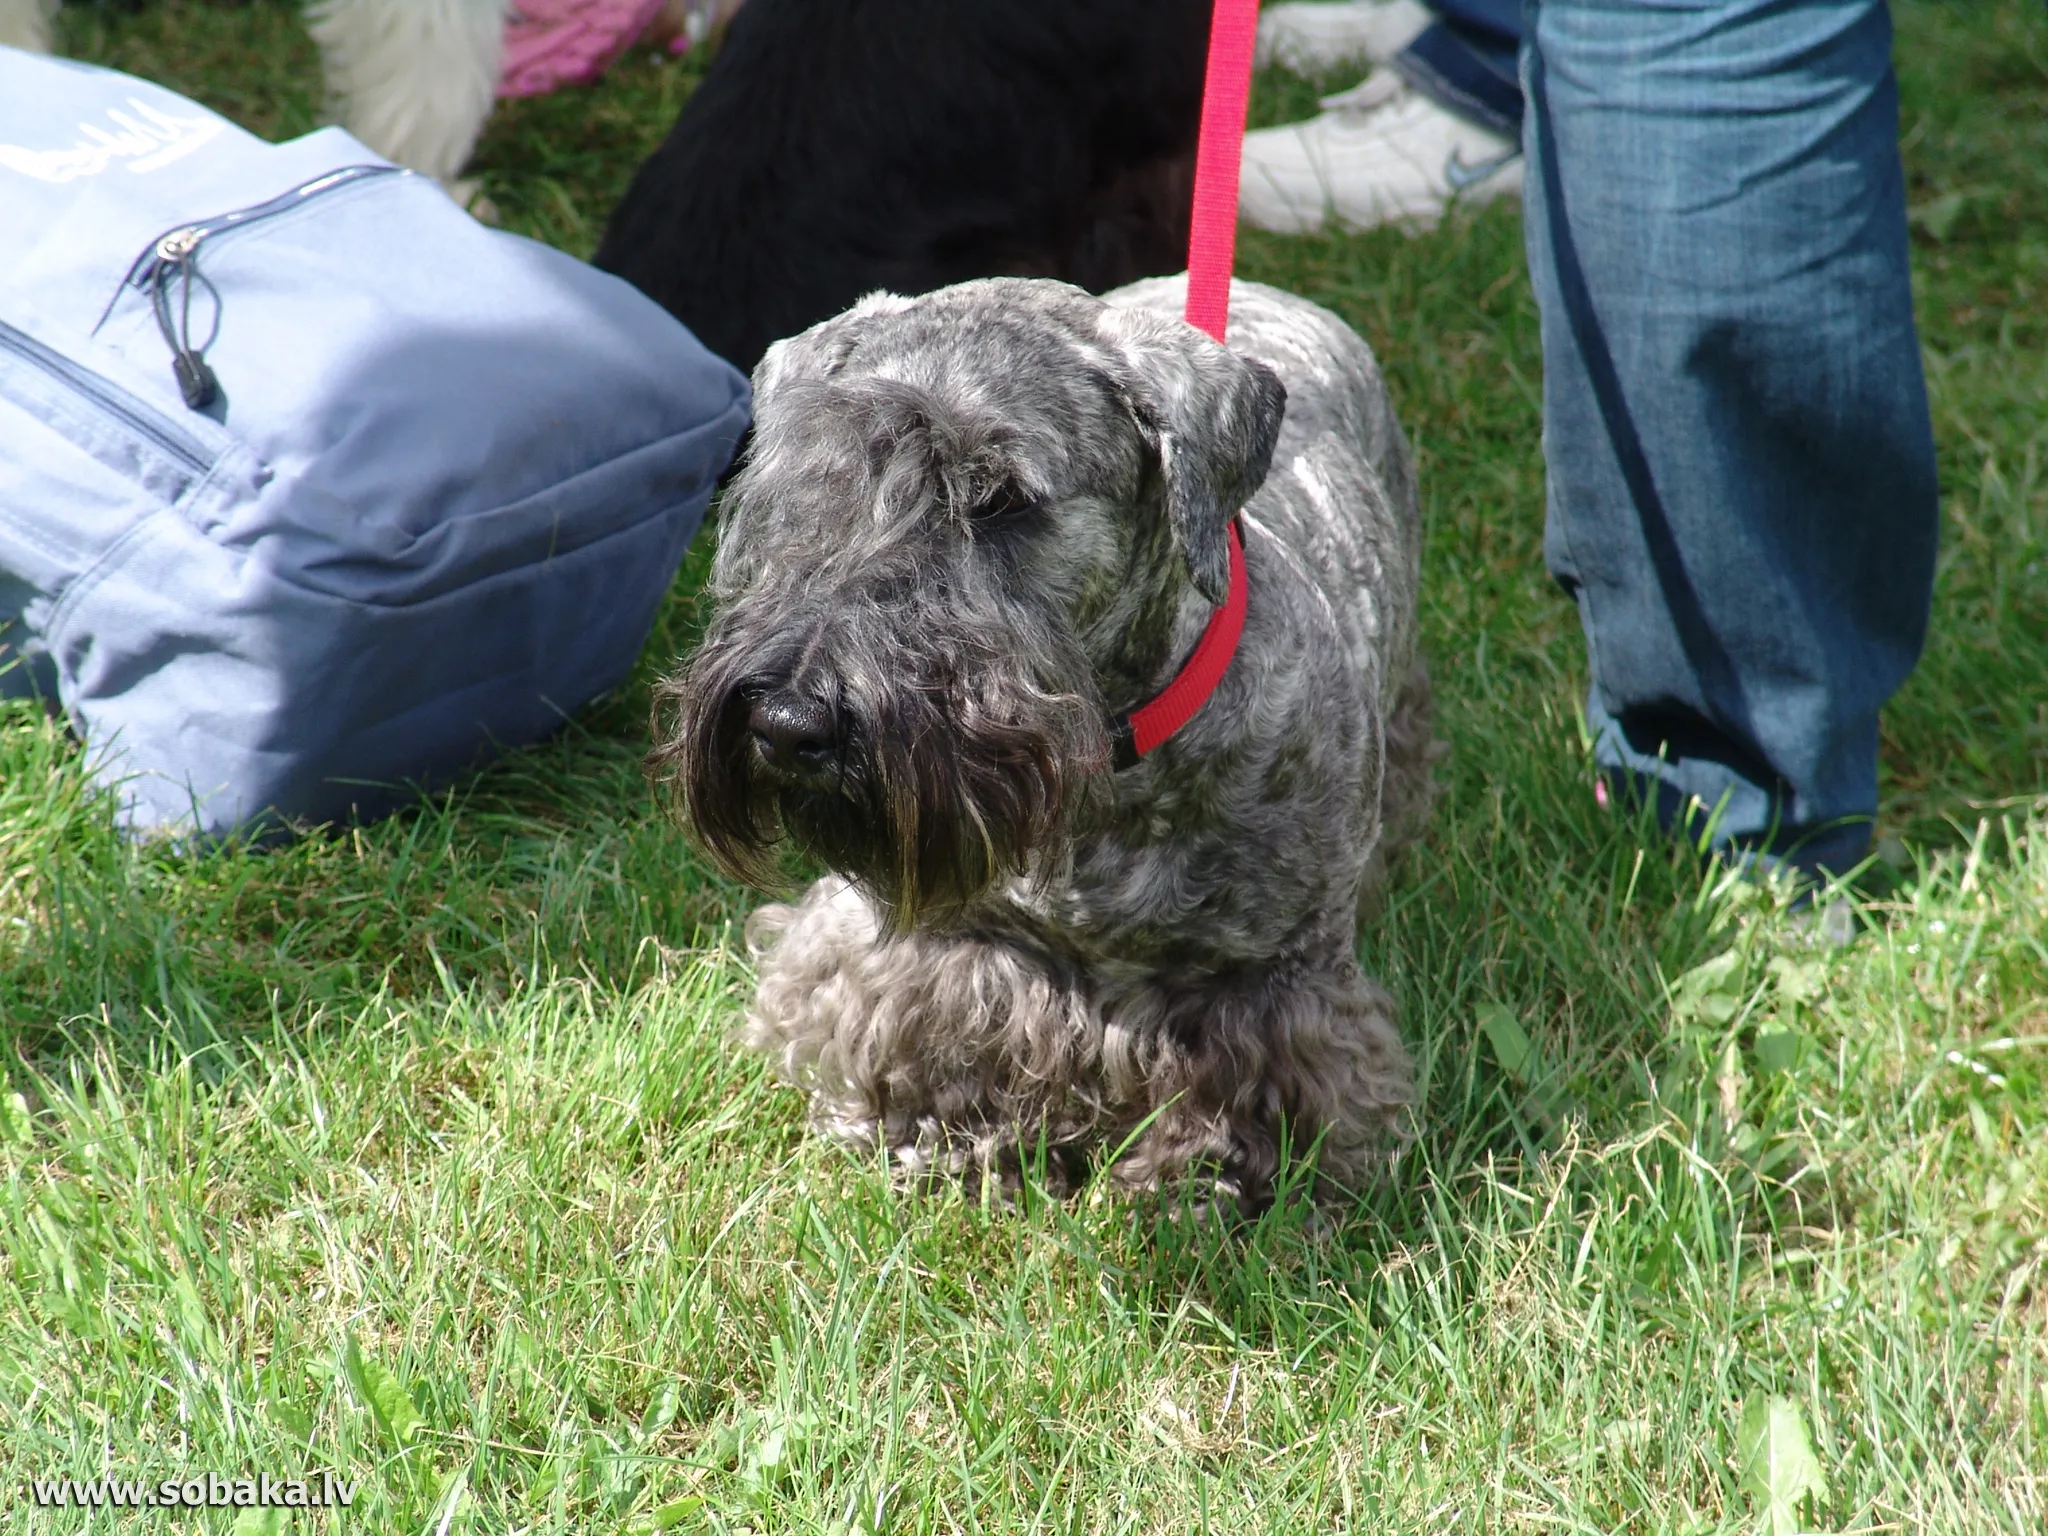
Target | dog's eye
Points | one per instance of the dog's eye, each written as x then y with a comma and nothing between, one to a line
1007,503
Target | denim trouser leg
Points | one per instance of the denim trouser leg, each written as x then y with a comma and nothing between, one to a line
1741,466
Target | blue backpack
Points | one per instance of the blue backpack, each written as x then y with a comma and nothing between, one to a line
311,487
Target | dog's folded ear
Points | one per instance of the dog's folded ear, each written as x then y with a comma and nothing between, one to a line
1212,416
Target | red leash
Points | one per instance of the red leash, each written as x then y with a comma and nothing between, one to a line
1212,232
1212,252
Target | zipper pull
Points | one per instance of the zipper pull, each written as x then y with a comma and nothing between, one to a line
196,381
177,245
176,257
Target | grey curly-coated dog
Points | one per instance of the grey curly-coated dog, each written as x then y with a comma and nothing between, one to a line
975,528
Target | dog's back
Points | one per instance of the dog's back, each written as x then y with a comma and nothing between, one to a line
906,144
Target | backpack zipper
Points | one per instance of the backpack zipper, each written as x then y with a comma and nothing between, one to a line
115,402
173,259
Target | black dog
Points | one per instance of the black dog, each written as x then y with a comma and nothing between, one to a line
840,146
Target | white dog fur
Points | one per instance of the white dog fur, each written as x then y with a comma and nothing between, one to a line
413,79
26,24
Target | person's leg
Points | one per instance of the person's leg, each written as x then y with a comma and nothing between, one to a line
1741,467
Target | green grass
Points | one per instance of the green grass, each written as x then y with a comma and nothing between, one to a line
417,1153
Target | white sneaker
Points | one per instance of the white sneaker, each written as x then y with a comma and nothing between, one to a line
1310,38
1380,154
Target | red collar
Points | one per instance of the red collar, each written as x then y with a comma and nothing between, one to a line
1151,723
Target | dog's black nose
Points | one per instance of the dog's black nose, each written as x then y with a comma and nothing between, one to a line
795,735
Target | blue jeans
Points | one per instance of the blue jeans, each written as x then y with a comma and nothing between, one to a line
1741,467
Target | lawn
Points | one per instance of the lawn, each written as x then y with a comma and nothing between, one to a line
416,1154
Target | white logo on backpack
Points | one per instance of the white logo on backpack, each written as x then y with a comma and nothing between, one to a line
145,138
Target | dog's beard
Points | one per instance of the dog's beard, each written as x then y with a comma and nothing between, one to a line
956,770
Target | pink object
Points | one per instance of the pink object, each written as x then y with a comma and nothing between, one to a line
553,43
1219,153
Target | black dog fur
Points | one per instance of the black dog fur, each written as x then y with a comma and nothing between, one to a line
840,146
